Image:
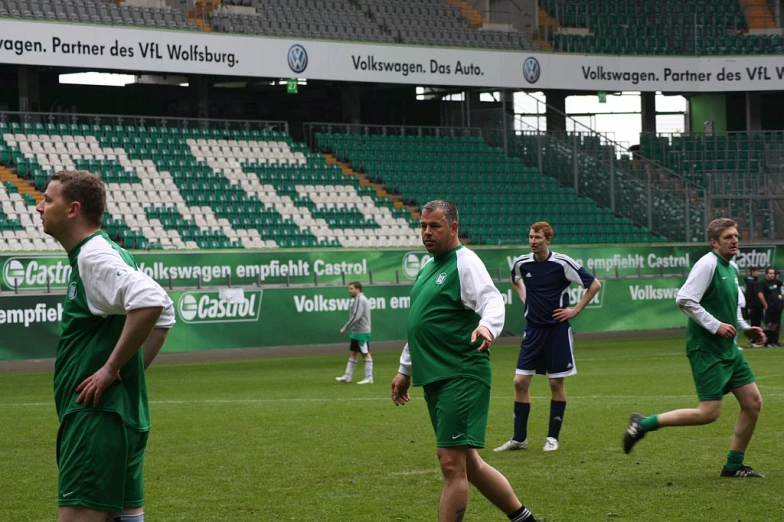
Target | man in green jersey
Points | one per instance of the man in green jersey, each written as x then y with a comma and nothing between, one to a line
111,310
710,298
455,314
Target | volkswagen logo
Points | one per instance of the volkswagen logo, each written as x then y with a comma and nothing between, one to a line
531,69
298,58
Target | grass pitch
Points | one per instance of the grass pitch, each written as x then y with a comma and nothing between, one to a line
279,439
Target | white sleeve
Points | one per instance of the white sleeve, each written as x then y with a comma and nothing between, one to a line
690,294
112,287
405,361
516,271
478,293
742,324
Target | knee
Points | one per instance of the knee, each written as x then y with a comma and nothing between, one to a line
557,385
452,466
521,384
753,404
710,415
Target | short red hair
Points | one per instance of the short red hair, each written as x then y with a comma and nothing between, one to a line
544,228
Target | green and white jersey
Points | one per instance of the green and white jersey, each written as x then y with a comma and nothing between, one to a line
105,285
710,297
452,295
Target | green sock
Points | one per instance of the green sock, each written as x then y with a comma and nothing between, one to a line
650,423
734,460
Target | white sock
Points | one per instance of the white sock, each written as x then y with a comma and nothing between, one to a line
129,518
350,367
369,369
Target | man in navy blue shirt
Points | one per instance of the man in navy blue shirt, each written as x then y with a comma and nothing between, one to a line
542,279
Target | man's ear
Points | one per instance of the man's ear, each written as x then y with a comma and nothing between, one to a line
74,209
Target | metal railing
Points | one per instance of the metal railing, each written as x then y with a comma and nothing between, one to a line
672,209
311,129
604,147
742,172
69,118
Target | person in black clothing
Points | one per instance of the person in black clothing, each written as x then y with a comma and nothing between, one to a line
753,302
770,295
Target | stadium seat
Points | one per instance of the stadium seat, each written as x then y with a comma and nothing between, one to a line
666,27
175,188
730,164
498,196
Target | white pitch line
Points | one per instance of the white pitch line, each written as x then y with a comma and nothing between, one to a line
383,399
415,472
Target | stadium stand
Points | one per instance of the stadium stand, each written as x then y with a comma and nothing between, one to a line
301,18
175,187
431,22
673,185
500,196
699,156
728,164
18,230
666,27
613,183
96,11
421,22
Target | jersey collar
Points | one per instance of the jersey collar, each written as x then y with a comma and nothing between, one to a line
549,256
74,253
448,253
721,259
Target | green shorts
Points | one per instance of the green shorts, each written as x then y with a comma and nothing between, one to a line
458,410
714,377
100,462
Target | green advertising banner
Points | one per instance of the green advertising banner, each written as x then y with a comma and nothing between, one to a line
30,326
635,261
237,268
226,318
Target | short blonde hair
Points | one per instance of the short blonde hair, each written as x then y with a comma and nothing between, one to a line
717,226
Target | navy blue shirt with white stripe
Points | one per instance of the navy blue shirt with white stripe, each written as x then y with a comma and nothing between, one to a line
547,284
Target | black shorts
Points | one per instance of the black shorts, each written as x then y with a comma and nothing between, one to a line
755,316
359,346
773,315
547,351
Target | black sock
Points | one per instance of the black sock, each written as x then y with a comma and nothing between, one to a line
521,515
557,409
521,411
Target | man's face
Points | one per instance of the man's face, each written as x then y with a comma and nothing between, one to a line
537,241
770,274
727,244
54,209
755,274
437,235
353,290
